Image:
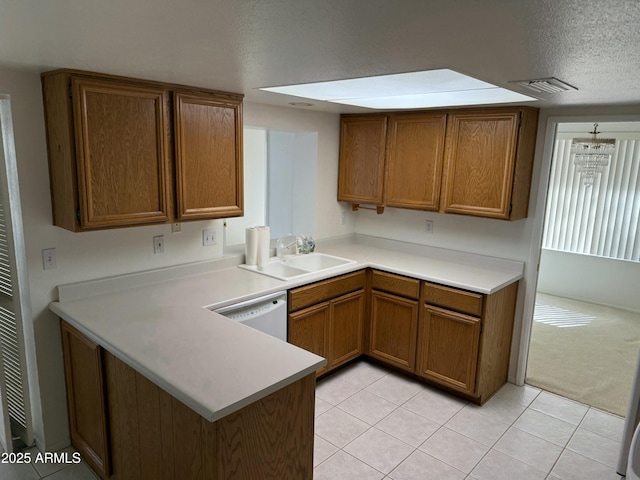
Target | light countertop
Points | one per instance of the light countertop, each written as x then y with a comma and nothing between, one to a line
159,322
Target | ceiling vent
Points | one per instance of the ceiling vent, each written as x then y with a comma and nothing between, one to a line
545,85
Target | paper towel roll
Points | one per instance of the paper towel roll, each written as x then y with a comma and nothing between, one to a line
264,239
251,246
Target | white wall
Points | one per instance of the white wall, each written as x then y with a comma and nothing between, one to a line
589,278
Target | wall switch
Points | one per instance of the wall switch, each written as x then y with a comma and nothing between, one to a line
209,237
158,244
176,228
429,226
49,258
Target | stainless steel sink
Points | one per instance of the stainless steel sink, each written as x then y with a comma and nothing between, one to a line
294,266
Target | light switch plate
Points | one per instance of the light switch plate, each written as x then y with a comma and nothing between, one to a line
209,237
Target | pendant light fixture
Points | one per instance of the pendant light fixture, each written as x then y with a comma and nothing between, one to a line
592,155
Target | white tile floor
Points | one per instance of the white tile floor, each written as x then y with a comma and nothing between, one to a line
375,424
372,423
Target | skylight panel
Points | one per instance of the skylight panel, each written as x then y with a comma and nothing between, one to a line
433,88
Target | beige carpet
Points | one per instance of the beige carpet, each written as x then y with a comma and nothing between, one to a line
584,352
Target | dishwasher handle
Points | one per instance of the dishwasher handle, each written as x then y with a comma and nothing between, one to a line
254,306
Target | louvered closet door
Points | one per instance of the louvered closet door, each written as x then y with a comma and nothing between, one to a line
13,376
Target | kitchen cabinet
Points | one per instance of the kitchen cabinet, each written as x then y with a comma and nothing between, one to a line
463,161
394,319
327,318
362,154
111,151
488,162
147,433
464,338
209,176
86,394
414,160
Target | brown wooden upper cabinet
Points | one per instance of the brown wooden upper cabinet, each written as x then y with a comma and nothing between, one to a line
208,150
414,160
467,161
488,162
362,150
111,160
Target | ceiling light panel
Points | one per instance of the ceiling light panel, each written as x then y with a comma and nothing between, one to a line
442,99
434,88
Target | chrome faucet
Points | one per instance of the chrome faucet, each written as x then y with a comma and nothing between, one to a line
294,245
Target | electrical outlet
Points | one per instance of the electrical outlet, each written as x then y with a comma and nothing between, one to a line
429,226
49,258
343,218
209,237
176,228
158,244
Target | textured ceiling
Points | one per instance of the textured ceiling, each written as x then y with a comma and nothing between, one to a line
240,45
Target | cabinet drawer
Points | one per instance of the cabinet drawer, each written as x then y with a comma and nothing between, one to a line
452,298
325,290
388,282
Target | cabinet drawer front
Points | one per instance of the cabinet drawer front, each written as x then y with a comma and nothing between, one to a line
452,298
325,290
388,282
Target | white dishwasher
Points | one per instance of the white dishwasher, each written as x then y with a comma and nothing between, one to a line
267,314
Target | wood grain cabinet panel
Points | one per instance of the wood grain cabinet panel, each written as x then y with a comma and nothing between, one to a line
414,160
345,332
362,154
394,322
209,168
111,152
448,348
109,157
488,162
86,396
464,338
309,329
327,318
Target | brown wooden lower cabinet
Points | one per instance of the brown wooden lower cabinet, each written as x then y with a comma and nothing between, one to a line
331,329
149,434
86,395
447,350
394,322
464,339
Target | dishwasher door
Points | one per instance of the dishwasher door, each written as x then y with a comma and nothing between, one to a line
267,314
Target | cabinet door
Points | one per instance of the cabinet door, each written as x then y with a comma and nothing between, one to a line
448,348
209,173
347,315
86,396
122,155
394,321
414,161
308,329
362,152
479,163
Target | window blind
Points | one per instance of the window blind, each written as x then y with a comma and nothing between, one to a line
602,219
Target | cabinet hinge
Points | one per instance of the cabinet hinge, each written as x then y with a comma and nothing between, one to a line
520,120
70,90
510,208
78,215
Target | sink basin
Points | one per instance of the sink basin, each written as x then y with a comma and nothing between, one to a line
315,261
295,266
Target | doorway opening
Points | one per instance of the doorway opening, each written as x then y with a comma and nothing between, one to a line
585,334
15,305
